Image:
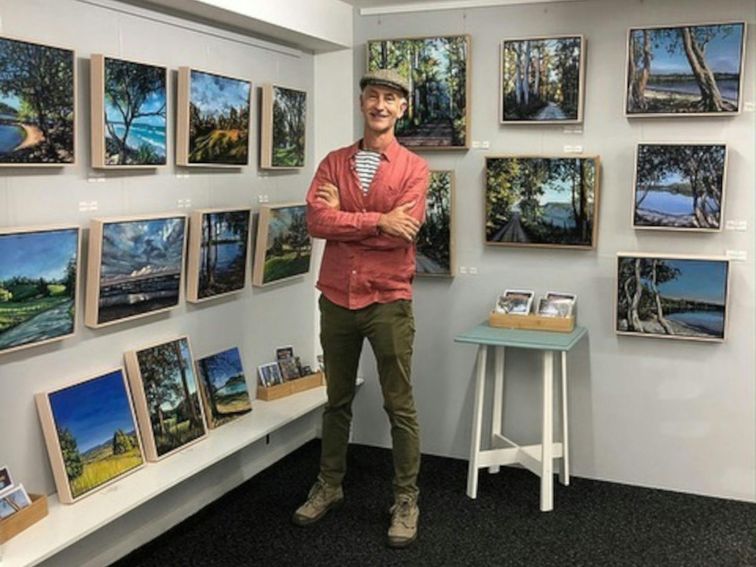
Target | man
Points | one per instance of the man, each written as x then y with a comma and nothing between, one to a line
368,202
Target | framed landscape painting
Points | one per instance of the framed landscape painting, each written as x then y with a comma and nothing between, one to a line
218,252
135,267
129,109
542,80
435,241
39,274
542,201
213,120
37,104
437,69
685,70
284,247
679,186
91,434
671,297
284,119
166,397
224,387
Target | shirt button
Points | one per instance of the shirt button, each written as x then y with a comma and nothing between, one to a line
354,271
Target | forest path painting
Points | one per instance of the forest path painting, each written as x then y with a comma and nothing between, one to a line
435,248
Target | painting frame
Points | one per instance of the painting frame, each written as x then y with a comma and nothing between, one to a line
93,311
136,377
662,114
594,212
53,443
580,96
183,119
467,115
452,229
208,403
722,189
194,292
98,113
6,232
267,130
74,105
263,244
680,258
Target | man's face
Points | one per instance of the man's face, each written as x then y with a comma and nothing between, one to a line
381,107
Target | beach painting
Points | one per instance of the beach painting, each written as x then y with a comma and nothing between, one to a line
37,104
135,267
542,80
128,113
224,387
166,396
672,297
213,122
436,68
218,252
685,70
284,246
434,242
679,186
542,201
284,115
39,272
91,434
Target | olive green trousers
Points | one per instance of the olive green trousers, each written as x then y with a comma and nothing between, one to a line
390,330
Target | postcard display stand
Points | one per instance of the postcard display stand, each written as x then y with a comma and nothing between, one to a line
18,522
290,387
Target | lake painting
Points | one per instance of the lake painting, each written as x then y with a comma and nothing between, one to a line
94,430
224,387
679,186
541,80
434,241
140,268
672,297
438,112
36,104
283,127
38,283
284,246
679,70
542,201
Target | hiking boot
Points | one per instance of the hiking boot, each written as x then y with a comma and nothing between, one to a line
404,517
322,497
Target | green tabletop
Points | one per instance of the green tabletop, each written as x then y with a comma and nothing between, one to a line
484,334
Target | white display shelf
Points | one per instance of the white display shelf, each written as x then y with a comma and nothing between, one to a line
67,524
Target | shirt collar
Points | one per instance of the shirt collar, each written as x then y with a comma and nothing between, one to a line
390,153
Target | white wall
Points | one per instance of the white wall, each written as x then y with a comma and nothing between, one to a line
669,414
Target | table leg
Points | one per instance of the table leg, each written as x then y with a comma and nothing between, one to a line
480,382
565,471
498,395
547,448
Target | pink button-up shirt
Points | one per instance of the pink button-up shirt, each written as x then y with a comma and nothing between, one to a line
361,265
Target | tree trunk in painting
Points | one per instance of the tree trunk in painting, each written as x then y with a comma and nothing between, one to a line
633,317
526,73
518,74
711,98
583,218
657,301
191,409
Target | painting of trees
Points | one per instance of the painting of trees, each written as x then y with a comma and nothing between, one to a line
437,71
284,245
541,80
434,242
542,201
685,69
283,127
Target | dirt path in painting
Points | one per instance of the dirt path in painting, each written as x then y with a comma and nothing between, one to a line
512,231
434,134
551,112
427,266
46,325
33,136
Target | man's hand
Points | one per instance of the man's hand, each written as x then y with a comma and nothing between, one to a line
399,222
329,194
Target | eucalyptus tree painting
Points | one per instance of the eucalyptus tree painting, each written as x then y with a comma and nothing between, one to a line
38,285
685,70
37,104
542,80
213,120
438,113
679,186
671,297
435,241
284,247
128,113
542,201
224,387
284,114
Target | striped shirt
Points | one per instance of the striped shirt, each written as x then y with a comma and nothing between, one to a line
366,164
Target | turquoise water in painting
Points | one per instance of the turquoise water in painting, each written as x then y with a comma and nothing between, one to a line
711,322
144,134
10,137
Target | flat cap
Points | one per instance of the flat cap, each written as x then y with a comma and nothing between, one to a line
386,78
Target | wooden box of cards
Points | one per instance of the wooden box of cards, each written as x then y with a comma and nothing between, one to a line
532,322
290,387
19,521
